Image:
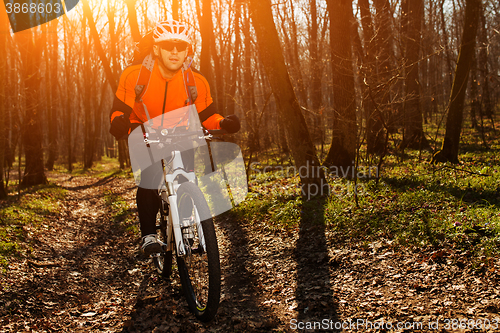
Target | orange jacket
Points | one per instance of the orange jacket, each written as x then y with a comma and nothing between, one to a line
157,101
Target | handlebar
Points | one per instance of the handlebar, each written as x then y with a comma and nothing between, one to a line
165,136
214,134
216,131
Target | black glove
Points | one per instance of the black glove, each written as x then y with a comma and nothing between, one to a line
230,124
120,127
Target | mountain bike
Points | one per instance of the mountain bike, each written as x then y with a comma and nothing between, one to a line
185,227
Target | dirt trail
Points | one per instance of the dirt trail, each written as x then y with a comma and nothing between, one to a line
86,274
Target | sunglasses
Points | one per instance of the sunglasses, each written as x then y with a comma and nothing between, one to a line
169,45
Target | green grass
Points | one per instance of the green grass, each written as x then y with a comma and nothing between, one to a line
120,211
104,168
21,217
415,204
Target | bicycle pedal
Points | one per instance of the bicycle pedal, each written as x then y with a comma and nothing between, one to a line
197,250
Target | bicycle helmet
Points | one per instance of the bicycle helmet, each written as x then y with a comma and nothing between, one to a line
171,29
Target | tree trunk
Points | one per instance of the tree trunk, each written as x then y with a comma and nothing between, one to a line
299,141
132,20
475,104
424,75
123,155
343,149
10,141
67,74
235,65
374,125
205,55
31,57
122,150
248,102
110,13
52,95
483,67
413,11
88,151
97,44
383,52
3,105
218,70
316,71
296,70
446,40
449,150
434,76
209,52
175,9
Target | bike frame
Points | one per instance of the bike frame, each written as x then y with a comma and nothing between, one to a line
168,193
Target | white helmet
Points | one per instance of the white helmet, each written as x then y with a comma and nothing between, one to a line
171,29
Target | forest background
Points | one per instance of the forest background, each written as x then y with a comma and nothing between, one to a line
390,85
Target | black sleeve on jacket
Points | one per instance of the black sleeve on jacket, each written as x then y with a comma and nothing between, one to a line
118,105
208,112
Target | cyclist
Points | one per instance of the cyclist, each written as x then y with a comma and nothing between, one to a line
166,91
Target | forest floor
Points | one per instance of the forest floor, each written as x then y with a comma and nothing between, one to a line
83,272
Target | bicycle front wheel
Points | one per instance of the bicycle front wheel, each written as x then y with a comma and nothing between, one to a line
199,269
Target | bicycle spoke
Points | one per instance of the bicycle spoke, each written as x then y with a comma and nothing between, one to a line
199,268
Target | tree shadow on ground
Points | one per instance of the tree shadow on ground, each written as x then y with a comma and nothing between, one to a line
158,305
241,282
99,182
314,293
68,278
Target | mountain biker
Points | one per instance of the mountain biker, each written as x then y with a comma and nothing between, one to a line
166,91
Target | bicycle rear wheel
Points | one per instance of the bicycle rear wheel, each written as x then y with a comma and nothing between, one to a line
199,269
163,260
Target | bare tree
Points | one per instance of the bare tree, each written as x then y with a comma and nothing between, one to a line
315,68
68,83
52,59
235,65
413,128
132,19
3,77
483,67
30,49
206,32
98,46
298,138
296,71
175,9
374,122
449,150
343,149
475,104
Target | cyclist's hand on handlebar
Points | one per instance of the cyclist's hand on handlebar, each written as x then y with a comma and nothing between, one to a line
231,124
120,127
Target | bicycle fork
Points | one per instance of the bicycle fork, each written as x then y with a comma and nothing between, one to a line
174,228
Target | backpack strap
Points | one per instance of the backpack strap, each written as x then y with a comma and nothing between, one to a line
144,75
190,86
143,81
